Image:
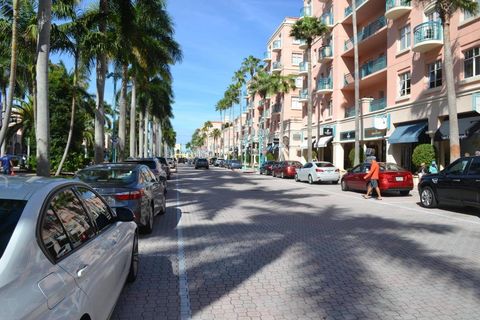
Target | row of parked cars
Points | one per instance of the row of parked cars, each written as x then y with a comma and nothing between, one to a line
227,163
68,246
458,184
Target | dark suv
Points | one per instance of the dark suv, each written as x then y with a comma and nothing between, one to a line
458,185
201,163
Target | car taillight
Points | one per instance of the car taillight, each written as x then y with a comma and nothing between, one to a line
319,170
133,195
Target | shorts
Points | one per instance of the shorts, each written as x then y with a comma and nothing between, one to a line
374,183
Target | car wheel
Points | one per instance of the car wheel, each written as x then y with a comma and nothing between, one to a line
164,206
427,198
133,272
149,227
344,185
310,179
296,177
335,182
404,192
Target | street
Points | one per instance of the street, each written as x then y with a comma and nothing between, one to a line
244,246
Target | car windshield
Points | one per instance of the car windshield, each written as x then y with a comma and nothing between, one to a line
151,164
10,212
323,164
107,175
294,163
390,167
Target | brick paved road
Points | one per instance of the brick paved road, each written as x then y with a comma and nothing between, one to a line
264,248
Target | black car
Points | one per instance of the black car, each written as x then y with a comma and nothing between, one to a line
266,167
201,163
458,185
165,166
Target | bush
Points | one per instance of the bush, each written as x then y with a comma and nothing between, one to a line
270,156
423,153
351,156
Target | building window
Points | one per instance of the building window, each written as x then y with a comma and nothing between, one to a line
405,36
299,82
472,62
296,105
329,108
435,74
297,58
467,15
296,41
404,81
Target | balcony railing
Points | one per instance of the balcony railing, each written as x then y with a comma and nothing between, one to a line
378,104
266,114
427,31
348,9
367,31
267,55
325,52
303,95
373,66
327,19
324,84
303,67
397,3
277,65
350,112
306,11
277,45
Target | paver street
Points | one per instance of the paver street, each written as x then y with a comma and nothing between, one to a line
245,246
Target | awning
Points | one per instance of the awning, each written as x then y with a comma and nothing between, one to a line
407,133
322,143
304,144
466,126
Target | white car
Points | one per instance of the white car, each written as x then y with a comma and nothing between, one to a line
64,254
318,171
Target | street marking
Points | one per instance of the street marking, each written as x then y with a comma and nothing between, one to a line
185,309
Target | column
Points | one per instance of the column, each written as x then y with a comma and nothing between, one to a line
338,155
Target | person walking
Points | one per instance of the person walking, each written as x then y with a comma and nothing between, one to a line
7,164
422,171
373,176
433,167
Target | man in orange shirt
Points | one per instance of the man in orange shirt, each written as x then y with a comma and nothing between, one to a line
373,176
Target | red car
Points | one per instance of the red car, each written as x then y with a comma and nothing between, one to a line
391,178
286,169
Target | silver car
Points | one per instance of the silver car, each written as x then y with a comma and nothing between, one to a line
128,185
318,171
64,254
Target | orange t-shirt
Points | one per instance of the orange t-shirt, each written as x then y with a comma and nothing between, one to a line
374,171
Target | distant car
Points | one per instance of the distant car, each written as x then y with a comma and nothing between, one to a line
318,171
266,167
201,163
165,166
212,161
226,163
172,163
154,165
286,169
64,253
235,164
128,185
219,162
458,184
391,178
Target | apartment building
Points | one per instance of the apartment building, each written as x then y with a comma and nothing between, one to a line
402,86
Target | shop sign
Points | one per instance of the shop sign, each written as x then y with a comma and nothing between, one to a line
327,132
381,122
375,133
347,135
476,102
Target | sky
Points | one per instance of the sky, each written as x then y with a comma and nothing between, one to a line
215,36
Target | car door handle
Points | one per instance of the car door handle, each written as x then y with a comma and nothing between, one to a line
81,271
456,180
477,180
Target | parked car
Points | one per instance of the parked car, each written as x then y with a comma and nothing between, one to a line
201,163
391,178
212,160
172,163
64,253
458,184
165,166
155,166
266,167
219,162
226,163
318,171
235,164
286,169
274,165
128,185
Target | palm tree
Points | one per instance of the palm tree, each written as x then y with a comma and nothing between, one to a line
22,118
215,134
446,9
282,84
308,29
240,80
356,75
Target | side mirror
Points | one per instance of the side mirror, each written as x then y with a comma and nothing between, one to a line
124,214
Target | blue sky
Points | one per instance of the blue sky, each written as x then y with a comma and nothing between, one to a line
215,36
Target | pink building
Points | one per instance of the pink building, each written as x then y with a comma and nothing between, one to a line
402,86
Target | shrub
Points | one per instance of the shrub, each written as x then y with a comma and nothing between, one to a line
423,153
351,156
270,156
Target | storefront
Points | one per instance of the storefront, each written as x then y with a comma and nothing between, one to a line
347,140
374,140
324,144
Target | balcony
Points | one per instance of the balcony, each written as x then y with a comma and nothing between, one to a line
325,53
267,56
327,19
277,45
378,104
373,66
348,10
277,66
303,68
302,45
350,112
367,32
324,85
394,9
303,97
306,12
427,36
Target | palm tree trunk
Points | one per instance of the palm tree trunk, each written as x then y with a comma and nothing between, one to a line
223,133
451,95
160,138
240,135
140,134
145,132
122,121
101,70
13,74
43,118
72,116
133,114
4,107
310,103
357,85
154,137
282,131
